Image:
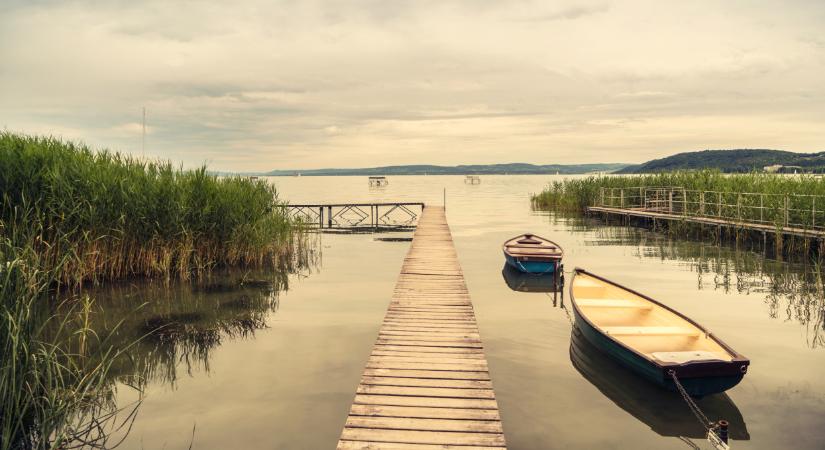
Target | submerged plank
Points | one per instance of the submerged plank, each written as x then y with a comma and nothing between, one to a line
426,384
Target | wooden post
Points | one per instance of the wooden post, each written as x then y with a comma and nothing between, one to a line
621,201
601,194
786,210
684,202
670,201
320,217
329,216
642,198
739,207
762,208
813,211
719,204
702,203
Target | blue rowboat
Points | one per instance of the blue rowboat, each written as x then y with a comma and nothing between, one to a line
529,253
653,340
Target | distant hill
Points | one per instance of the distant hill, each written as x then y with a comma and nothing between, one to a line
489,169
744,160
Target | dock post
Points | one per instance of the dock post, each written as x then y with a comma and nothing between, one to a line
329,216
321,217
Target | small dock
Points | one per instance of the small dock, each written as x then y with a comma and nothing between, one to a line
426,384
791,215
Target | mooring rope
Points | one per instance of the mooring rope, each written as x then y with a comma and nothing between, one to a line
710,427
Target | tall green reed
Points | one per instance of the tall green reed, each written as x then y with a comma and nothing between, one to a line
117,216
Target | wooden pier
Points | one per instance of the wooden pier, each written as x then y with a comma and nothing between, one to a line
426,384
384,215
786,214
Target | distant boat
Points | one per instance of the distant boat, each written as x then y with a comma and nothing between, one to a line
472,179
529,253
378,181
652,339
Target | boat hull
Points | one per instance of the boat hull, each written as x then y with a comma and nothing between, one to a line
531,266
698,379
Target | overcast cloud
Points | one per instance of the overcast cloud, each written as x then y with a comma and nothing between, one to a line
306,84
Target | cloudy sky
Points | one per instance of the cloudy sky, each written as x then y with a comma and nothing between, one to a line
288,84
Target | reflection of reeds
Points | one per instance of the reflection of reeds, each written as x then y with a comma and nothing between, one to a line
183,322
793,290
54,392
69,216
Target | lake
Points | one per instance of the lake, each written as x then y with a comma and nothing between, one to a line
274,362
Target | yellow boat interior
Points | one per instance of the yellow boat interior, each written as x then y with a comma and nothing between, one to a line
645,326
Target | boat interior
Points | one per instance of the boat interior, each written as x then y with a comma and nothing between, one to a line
532,245
650,329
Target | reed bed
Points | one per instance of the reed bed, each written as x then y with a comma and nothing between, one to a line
574,194
116,216
69,216
54,391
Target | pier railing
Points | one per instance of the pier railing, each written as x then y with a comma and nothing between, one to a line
387,215
779,210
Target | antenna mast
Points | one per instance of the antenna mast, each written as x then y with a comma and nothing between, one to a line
143,141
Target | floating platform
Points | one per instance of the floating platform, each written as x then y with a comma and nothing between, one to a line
426,384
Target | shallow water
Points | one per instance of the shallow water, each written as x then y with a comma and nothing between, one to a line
278,367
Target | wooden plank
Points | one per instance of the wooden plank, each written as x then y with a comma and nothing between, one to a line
423,437
426,384
419,391
408,423
424,412
364,445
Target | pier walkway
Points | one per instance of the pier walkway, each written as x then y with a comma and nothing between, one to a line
426,384
798,215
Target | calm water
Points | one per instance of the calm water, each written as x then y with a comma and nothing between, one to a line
275,363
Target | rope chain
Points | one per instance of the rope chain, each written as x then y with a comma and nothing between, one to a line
689,443
694,408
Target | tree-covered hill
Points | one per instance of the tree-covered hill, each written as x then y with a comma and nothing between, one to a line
740,160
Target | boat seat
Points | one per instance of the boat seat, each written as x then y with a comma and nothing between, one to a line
683,357
612,303
544,247
651,331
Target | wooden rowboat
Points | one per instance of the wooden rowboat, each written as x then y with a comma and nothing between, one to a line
533,254
652,339
662,411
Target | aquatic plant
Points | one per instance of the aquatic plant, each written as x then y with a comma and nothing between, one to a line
106,215
574,194
54,392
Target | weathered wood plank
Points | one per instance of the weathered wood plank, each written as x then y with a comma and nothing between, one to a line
364,445
408,423
426,384
423,437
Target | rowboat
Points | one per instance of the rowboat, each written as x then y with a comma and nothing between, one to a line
662,411
525,282
529,253
655,341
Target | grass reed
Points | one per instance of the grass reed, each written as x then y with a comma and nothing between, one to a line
116,216
70,215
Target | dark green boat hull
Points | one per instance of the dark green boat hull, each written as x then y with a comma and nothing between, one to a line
698,379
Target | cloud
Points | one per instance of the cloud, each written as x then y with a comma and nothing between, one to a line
302,84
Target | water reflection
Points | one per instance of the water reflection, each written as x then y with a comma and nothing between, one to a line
792,290
526,282
663,411
179,325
